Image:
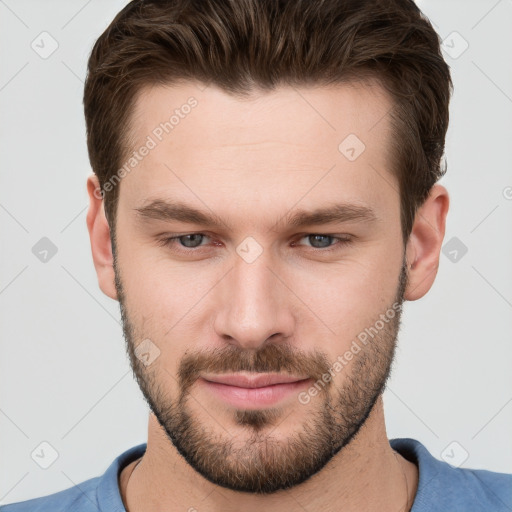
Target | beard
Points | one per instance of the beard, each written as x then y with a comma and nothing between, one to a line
256,461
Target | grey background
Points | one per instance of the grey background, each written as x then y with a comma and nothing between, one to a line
65,379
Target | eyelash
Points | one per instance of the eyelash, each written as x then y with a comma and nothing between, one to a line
171,242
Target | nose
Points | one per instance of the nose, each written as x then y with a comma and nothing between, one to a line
255,304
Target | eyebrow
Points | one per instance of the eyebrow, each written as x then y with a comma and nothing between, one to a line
159,209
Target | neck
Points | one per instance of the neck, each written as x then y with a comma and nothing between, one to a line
365,475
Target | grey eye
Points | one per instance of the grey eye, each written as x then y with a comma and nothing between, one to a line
320,241
191,241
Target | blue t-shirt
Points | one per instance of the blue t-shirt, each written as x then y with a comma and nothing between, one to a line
441,487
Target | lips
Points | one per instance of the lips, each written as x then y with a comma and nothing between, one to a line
252,391
252,381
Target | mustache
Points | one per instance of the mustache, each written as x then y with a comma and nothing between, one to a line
271,358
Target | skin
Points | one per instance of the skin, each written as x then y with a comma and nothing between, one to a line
252,162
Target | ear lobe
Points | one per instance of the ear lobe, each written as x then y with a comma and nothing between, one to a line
425,241
99,234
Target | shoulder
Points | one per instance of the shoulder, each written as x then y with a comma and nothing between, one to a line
98,493
442,486
80,498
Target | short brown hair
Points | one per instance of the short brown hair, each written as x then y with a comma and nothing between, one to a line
244,45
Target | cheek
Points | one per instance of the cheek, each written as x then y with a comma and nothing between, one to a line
152,282
342,300
165,302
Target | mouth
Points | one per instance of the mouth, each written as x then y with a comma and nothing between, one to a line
253,391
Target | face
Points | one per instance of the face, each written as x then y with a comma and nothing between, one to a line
269,287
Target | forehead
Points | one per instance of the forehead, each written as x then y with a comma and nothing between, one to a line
307,144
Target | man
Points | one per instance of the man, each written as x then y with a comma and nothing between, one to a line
264,200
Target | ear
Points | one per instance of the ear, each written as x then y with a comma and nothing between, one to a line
99,234
425,241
